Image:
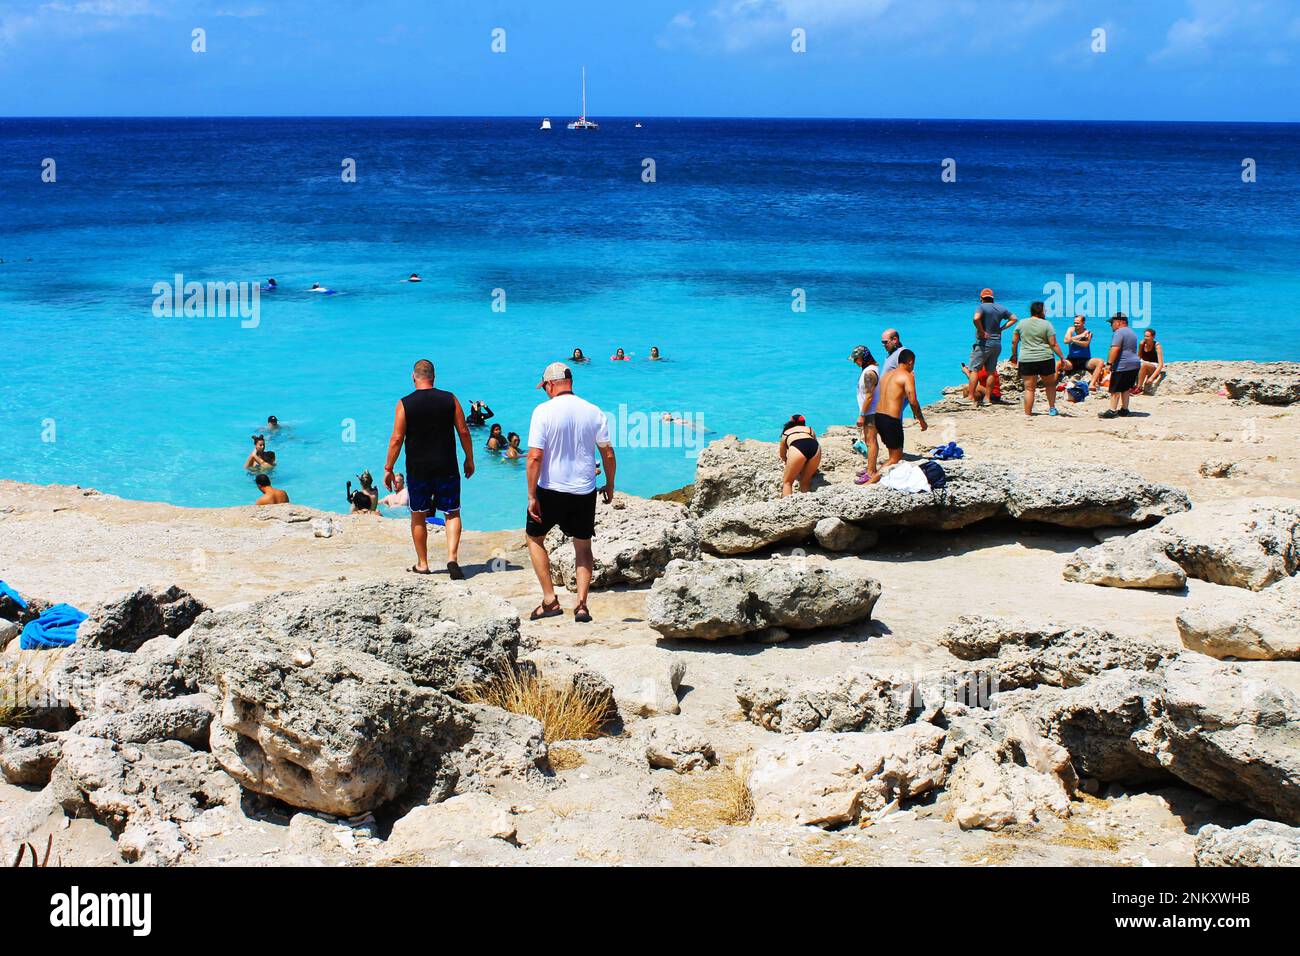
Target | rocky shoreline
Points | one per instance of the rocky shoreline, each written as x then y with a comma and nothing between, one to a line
1081,652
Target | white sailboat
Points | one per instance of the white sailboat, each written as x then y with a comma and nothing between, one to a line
582,122
546,123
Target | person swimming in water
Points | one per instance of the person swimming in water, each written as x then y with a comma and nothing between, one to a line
578,357
269,495
271,285
359,500
368,486
478,415
496,439
620,356
272,423
258,460
512,445
317,287
654,354
400,498
414,277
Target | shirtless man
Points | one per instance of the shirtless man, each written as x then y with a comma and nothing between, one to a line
897,389
270,496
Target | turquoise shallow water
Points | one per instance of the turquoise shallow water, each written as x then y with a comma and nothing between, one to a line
700,263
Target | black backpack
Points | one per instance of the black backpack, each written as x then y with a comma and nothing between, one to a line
934,474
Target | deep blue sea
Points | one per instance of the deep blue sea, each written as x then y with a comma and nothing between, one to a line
96,389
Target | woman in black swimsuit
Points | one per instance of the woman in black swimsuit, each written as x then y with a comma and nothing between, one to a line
1152,354
496,439
801,453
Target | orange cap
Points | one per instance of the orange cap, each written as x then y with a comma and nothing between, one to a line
986,293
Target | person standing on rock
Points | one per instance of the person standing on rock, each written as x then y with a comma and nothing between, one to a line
867,395
897,390
1125,363
563,437
991,320
428,422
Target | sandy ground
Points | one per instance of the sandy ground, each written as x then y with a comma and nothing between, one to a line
69,544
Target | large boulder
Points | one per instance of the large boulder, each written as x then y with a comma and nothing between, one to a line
731,470
1105,724
731,598
1125,561
128,622
635,539
828,779
87,682
337,699
1232,731
1243,542
28,756
1020,654
1078,497
186,719
1258,843
1017,782
853,699
1262,625
1266,383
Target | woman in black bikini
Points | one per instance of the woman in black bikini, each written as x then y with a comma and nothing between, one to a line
1152,354
801,453
496,439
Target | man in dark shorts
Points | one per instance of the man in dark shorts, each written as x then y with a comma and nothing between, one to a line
1124,366
897,389
428,421
563,437
991,320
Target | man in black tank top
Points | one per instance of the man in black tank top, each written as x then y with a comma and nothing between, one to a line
427,421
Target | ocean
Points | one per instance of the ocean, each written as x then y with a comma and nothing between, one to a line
533,243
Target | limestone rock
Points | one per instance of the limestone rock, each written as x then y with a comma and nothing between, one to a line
129,621
468,816
1242,542
144,794
496,744
1016,783
670,746
828,779
851,700
186,719
1123,562
1265,383
1232,731
1079,497
635,539
729,598
1263,625
1258,843
27,756
1216,468
1021,654
645,680
836,534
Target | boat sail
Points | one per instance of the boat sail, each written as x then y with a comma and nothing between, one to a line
582,122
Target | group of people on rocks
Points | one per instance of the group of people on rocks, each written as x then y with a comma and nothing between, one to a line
1129,367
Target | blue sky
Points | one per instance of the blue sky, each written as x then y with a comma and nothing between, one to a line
1164,59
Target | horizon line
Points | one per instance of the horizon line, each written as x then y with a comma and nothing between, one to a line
637,117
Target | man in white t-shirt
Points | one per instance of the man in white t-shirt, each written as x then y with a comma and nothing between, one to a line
867,396
563,438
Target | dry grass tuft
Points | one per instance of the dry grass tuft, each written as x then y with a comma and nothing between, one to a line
21,683
564,758
1080,837
706,800
566,712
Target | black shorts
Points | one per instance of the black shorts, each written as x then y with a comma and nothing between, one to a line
1043,368
890,430
575,514
1121,382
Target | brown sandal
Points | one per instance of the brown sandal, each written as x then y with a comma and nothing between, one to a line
546,610
581,614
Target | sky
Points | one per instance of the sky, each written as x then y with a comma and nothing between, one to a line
991,59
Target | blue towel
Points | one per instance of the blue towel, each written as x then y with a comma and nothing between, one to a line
948,452
57,627
7,591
